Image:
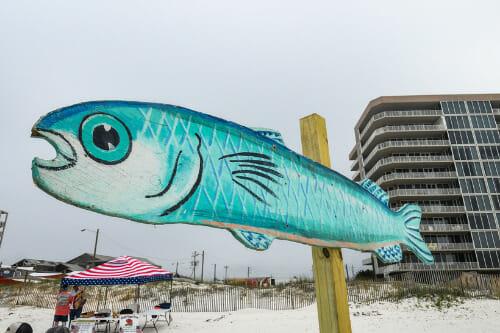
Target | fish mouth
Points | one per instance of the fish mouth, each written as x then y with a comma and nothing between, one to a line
66,155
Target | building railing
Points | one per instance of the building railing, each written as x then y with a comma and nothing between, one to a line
408,159
424,192
404,144
449,246
402,129
442,209
415,175
395,114
437,247
445,266
444,227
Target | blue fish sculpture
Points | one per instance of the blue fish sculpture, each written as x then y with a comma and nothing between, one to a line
161,164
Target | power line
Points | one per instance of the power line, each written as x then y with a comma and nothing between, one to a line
194,263
202,264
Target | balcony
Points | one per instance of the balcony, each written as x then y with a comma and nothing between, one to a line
444,228
442,247
355,165
406,145
431,192
403,131
388,116
396,161
450,246
445,266
442,210
353,154
416,176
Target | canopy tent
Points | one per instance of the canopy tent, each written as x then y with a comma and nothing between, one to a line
122,270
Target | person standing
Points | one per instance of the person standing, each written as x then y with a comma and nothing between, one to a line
77,304
64,300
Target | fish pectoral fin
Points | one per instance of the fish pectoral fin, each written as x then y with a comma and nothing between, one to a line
252,240
389,254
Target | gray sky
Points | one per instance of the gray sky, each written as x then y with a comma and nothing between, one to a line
259,63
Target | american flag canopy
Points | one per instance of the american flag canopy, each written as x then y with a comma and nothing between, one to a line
121,270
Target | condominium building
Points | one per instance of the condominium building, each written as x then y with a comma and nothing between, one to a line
443,153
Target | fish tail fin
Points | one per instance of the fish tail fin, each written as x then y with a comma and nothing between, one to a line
412,215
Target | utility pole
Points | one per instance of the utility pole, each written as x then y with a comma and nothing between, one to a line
194,263
95,244
202,264
248,272
3,223
177,269
225,273
215,272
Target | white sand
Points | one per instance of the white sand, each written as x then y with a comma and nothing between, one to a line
409,316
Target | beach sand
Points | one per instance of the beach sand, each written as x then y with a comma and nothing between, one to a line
409,316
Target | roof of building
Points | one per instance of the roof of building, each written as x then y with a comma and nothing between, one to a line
88,257
388,102
34,262
72,267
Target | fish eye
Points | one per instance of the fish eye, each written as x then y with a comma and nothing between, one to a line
105,138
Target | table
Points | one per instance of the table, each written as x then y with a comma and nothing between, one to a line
153,316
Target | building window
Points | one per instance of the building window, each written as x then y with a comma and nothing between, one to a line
473,185
469,169
453,107
489,152
496,201
492,168
479,107
454,122
461,137
489,136
486,239
483,121
465,153
477,203
481,221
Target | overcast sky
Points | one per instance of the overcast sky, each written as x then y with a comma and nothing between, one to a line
259,63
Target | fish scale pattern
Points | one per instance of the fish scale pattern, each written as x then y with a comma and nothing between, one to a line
296,198
305,201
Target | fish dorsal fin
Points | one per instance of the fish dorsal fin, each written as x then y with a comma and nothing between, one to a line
252,240
271,134
389,254
375,190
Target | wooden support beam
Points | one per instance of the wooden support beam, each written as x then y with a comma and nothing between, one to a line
328,266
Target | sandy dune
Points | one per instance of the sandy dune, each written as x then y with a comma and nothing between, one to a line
409,316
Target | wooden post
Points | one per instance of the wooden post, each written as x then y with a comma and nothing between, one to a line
328,267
